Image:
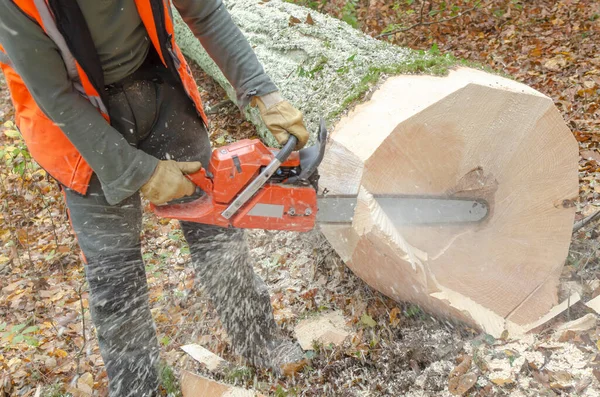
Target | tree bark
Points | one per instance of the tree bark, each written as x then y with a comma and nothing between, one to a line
467,134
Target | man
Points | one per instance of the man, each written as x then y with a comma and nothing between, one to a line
108,106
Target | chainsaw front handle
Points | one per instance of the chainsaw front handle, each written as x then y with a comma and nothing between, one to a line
287,149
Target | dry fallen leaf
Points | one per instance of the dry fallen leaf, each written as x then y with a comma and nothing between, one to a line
567,336
502,382
368,320
459,381
294,21
596,373
555,64
462,384
591,154
582,385
291,369
394,317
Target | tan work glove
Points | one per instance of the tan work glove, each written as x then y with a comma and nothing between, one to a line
168,181
281,118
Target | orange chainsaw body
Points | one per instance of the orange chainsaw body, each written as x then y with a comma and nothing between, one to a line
276,206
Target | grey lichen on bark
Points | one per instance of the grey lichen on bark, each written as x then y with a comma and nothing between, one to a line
321,68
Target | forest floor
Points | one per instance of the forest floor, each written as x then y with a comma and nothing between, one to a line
47,341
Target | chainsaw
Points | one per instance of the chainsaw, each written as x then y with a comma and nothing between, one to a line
251,186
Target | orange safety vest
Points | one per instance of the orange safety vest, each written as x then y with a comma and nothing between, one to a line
47,143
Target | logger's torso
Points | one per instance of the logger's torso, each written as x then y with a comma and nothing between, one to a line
119,36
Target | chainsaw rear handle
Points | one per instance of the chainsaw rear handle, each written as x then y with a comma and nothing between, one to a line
287,149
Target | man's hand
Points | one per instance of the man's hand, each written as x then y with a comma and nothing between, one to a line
168,181
281,118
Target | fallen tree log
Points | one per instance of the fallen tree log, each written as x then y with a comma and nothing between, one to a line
463,134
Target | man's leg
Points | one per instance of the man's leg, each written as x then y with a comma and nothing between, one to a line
224,267
220,255
109,237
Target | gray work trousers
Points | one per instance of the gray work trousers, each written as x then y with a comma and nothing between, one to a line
151,109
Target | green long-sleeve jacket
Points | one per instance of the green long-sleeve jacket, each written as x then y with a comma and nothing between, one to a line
122,44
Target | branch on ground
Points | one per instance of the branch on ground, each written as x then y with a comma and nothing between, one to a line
422,22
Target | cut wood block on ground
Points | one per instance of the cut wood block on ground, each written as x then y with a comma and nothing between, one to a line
326,329
193,385
469,135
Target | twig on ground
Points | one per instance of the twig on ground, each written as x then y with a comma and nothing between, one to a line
421,23
589,256
12,228
215,109
80,353
51,217
581,223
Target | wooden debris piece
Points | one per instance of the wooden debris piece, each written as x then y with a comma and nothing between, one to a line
210,360
594,304
555,311
584,323
327,329
193,385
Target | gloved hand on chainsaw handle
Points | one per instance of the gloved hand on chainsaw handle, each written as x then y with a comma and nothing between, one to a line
168,182
281,118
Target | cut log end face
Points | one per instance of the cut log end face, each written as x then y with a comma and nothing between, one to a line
475,139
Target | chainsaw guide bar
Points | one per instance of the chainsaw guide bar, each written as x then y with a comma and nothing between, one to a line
406,210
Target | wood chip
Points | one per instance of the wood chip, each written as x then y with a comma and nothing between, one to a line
326,328
211,361
503,382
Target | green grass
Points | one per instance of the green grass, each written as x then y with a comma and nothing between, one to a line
54,390
239,374
169,382
430,64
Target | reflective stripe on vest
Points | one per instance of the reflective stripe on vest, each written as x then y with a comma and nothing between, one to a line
5,59
49,26
77,76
